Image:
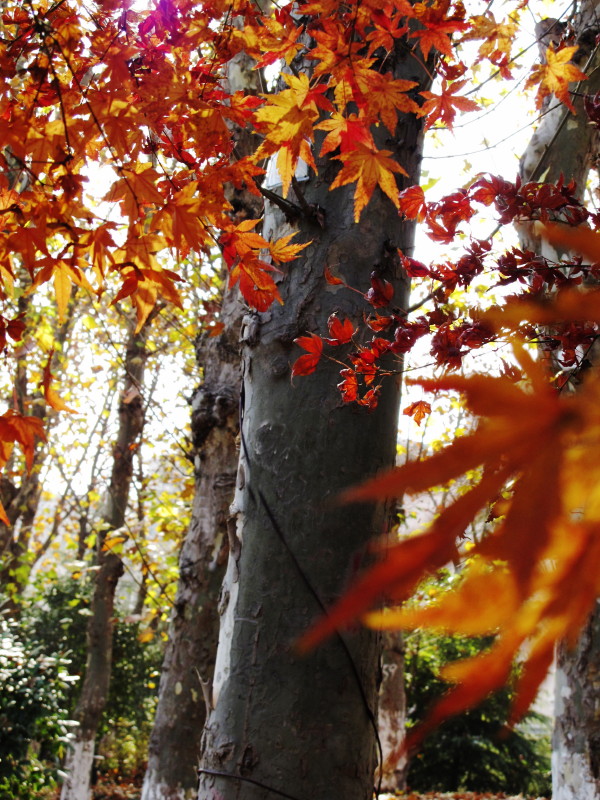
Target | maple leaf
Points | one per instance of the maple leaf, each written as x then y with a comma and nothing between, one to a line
63,274
307,364
341,332
241,241
348,386
498,36
135,190
418,410
412,203
282,251
438,27
256,284
344,132
144,286
287,120
332,279
50,394
545,445
15,427
180,220
369,168
555,76
387,28
383,97
381,292
445,105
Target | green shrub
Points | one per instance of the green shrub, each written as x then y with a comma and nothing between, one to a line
58,623
34,715
470,752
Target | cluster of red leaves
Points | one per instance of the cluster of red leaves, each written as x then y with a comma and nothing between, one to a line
453,336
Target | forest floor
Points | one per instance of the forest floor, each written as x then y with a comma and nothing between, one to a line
109,789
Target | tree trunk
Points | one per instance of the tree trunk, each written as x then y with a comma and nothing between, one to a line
576,740
21,503
392,713
568,145
189,660
94,691
188,667
286,724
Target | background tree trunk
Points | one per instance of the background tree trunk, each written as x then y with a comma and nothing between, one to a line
392,713
94,691
189,660
576,741
188,667
567,145
21,502
304,726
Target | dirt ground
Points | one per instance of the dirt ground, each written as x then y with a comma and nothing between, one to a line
130,790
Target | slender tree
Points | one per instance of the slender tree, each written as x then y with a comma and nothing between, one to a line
189,659
96,681
188,667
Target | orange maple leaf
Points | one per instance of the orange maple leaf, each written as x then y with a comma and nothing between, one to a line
412,203
287,120
50,394
135,190
544,565
257,286
445,105
344,132
15,427
383,97
418,410
555,76
438,26
369,168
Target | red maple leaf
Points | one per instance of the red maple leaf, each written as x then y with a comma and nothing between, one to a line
444,106
308,363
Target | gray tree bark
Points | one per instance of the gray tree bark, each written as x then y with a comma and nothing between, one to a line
94,691
187,672
391,719
284,724
567,145
189,660
576,740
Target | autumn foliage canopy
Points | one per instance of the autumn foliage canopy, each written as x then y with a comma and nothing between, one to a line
134,99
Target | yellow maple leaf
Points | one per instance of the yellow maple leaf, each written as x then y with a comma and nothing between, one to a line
51,395
369,168
282,251
555,76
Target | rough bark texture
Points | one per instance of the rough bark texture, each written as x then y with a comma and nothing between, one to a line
188,668
94,691
576,740
303,726
392,713
568,145
189,660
